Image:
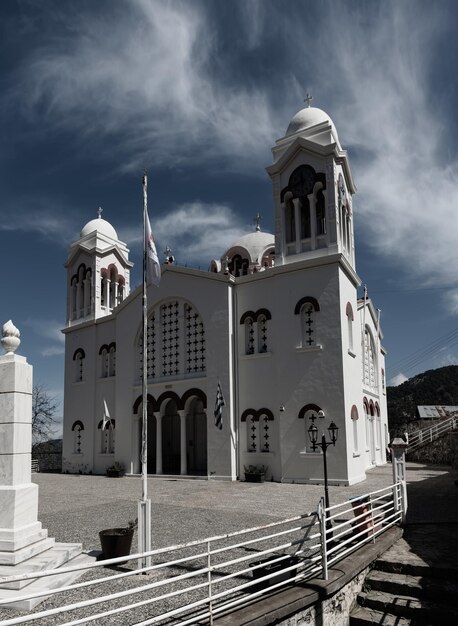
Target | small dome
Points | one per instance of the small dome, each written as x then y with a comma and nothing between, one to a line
307,118
100,226
254,243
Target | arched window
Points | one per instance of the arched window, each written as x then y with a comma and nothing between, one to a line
320,214
78,358
104,361
370,362
378,430
309,413
290,221
256,331
238,266
258,429
249,335
307,308
367,422
175,341
305,219
262,333
107,436
350,318
354,419
77,430
112,359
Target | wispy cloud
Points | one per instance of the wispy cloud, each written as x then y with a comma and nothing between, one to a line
49,330
201,231
42,217
160,79
398,380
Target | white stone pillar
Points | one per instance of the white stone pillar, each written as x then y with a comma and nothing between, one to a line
183,460
107,293
71,312
398,459
158,443
20,533
115,295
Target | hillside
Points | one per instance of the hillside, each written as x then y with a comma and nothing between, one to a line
439,386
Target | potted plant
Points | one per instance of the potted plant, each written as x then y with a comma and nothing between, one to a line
255,473
116,542
116,470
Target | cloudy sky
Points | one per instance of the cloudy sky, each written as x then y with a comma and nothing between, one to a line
197,92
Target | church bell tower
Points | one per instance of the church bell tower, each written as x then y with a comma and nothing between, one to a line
312,188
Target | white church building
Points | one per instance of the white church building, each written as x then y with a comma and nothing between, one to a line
276,320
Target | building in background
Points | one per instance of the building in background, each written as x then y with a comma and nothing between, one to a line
276,320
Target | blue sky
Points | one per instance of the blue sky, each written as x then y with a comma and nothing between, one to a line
197,92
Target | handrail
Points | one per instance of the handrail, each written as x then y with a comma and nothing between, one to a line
225,571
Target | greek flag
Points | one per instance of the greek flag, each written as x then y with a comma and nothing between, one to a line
219,407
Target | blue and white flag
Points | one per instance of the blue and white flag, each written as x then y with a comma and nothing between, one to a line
219,407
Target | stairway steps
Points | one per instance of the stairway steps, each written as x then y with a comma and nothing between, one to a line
415,566
420,610
411,586
361,616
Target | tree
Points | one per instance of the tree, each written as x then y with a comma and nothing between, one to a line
43,409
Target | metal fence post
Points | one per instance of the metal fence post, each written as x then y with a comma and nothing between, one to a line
209,578
324,549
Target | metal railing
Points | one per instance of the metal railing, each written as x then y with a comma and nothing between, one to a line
197,581
426,435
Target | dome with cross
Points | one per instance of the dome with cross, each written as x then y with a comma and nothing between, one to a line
306,118
100,226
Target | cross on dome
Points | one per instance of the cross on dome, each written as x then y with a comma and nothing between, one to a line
257,221
308,99
99,212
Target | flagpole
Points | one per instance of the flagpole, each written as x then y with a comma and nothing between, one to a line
145,354
144,505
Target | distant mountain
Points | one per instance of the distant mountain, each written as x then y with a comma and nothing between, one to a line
438,386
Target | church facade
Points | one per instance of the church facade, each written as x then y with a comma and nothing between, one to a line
276,321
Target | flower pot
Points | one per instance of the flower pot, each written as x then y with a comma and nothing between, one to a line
275,570
115,542
254,478
114,473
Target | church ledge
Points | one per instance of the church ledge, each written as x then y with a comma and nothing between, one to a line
316,348
255,356
171,380
191,271
301,264
289,149
76,247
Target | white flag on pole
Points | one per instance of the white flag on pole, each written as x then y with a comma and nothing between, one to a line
106,414
153,267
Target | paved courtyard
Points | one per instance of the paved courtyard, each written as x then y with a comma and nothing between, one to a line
75,508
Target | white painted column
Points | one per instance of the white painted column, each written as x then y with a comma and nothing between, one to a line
297,223
115,295
312,204
183,459
71,313
78,300
107,293
158,443
86,306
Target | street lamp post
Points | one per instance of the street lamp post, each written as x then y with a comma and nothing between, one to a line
324,445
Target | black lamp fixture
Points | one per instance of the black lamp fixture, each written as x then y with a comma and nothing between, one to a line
333,431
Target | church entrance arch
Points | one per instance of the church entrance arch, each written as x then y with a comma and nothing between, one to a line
196,437
171,439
